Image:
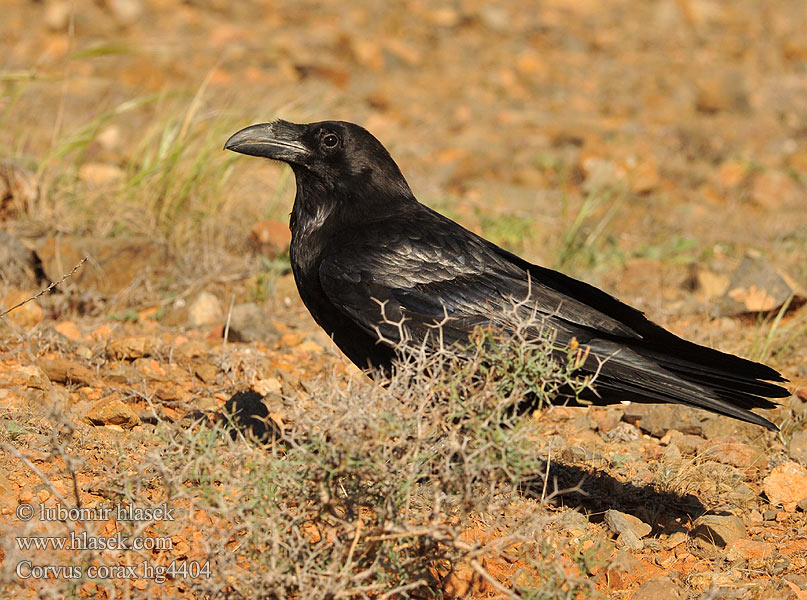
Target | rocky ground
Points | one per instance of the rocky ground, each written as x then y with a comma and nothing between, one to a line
655,149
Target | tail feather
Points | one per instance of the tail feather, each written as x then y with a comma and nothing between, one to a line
611,392
648,376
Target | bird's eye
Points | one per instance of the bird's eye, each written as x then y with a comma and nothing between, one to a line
330,140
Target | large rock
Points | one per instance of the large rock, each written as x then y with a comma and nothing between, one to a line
111,411
756,286
620,522
786,485
64,370
112,266
719,530
658,419
249,323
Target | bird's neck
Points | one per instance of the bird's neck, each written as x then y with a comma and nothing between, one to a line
313,205
318,207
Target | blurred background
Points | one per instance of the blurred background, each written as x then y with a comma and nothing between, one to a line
645,146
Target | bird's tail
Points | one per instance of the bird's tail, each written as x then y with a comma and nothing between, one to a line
643,375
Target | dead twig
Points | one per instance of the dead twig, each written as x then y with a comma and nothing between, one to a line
47,289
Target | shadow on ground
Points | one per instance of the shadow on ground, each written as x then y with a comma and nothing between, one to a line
593,492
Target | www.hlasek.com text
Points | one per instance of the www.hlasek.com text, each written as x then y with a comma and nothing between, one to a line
83,541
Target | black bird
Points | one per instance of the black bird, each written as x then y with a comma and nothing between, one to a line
366,254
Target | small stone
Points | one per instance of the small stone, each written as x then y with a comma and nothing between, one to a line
270,385
623,432
786,485
605,419
138,346
110,138
111,411
687,444
770,514
495,17
742,494
630,541
719,530
69,330
619,522
205,310
731,452
207,372
671,454
191,349
652,544
310,347
248,322
633,412
668,437
797,448
573,454
676,539
658,589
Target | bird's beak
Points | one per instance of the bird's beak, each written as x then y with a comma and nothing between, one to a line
279,140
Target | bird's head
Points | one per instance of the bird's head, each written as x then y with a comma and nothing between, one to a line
342,158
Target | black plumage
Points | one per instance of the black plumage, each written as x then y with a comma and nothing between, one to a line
366,254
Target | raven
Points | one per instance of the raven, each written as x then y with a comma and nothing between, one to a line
373,265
